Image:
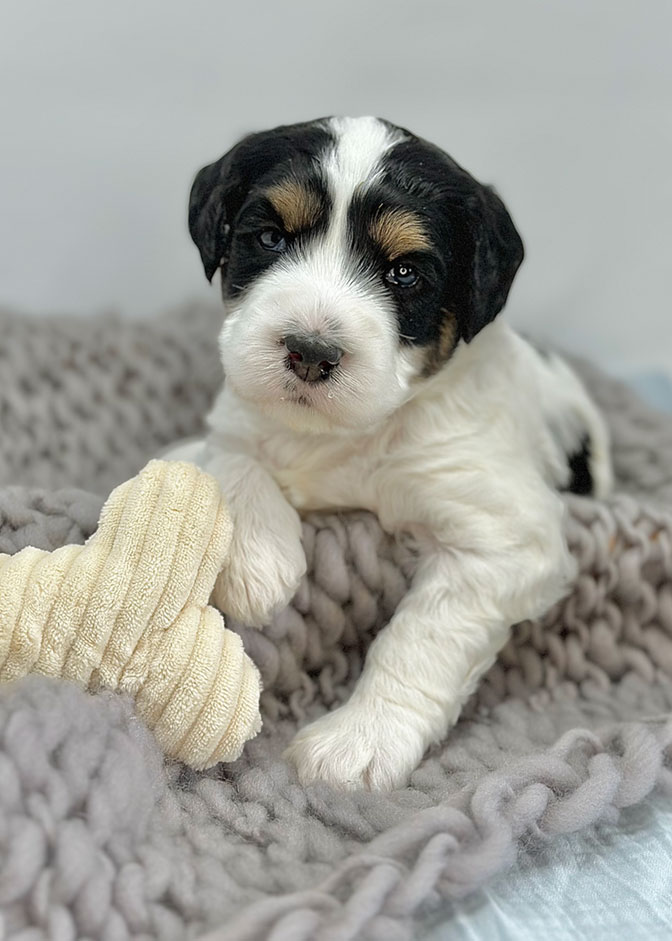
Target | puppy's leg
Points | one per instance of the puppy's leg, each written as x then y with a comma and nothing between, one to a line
577,427
422,667
266,561
188,449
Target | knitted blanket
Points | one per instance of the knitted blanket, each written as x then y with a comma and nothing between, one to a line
101,839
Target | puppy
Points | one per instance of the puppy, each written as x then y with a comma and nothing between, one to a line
362,271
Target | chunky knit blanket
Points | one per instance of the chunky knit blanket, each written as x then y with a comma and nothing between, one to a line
101,839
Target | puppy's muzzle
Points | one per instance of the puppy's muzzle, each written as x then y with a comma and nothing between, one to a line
311,357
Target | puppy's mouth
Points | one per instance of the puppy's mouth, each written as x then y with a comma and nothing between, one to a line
307,393
308,406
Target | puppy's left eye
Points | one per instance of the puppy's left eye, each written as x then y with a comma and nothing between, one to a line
402,275
273,240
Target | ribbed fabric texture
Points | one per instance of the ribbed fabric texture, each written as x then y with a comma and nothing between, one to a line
129,611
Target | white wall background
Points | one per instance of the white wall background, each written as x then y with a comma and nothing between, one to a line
108,108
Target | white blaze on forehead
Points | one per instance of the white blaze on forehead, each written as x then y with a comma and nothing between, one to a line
354,160
359,148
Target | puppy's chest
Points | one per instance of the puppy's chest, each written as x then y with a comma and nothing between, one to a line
316,474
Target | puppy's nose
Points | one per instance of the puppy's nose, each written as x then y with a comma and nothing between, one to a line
311,357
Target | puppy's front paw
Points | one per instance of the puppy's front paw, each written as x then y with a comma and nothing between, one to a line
356,749
262,576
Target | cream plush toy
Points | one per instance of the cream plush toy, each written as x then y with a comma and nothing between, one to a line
129,611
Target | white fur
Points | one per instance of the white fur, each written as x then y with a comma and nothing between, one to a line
468,466
467,462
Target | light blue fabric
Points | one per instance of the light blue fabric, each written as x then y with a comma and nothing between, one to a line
655,388
612,883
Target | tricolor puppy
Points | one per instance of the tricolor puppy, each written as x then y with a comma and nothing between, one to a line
362,271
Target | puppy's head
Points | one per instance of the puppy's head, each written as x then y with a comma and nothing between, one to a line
354,257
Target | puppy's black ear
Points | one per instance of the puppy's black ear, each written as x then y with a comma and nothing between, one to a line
496,254
217,195
220,189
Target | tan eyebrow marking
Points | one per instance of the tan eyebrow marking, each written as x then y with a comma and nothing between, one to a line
297,206
399,232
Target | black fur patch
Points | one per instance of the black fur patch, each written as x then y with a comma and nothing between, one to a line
477,249
473,254
247,259
225,190
418,307
581,480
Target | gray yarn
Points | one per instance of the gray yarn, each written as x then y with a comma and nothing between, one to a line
85,403
100,839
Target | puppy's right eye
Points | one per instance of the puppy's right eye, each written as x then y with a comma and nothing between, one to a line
402,275
273,240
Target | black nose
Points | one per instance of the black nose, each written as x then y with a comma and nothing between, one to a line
311,357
